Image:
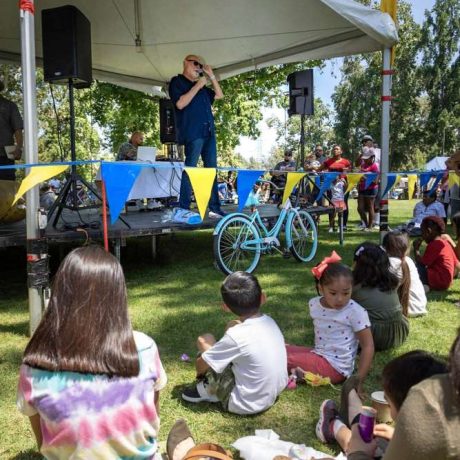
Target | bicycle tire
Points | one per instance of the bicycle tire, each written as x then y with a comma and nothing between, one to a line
228,254
302,239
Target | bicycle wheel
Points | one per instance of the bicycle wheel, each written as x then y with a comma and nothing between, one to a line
302,236
237,245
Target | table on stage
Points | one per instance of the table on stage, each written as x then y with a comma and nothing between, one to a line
157,180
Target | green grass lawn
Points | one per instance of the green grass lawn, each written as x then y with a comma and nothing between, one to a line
176,298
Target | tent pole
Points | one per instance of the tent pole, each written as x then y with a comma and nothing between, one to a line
31,146
385,137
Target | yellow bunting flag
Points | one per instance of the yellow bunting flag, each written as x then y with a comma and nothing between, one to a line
411,180
390,7
453,179
36,175
353,179
292,180
202,180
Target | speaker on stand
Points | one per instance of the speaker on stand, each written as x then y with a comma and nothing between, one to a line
66,38
301,101
168,128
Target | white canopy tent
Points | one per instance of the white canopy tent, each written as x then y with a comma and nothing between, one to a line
140,44
234,36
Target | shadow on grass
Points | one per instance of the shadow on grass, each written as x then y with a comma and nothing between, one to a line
28,455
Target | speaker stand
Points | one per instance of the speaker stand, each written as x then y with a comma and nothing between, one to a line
68,197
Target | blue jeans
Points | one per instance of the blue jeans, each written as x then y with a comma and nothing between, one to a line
206,148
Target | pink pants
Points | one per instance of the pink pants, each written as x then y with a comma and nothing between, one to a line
304,358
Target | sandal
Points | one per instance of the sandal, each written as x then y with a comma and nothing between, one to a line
180,440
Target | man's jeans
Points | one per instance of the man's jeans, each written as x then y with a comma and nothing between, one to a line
206,147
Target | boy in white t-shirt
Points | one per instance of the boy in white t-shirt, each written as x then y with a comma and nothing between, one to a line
246,369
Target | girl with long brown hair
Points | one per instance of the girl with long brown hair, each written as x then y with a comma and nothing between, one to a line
410,291
88,382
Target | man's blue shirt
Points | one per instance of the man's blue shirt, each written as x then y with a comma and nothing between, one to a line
195,120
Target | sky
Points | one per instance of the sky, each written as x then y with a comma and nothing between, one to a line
325,81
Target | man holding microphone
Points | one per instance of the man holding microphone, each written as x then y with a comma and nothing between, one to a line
196,131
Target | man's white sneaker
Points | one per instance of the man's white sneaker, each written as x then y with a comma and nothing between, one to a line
199,393
216,215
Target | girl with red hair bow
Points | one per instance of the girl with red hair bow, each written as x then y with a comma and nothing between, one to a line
340,325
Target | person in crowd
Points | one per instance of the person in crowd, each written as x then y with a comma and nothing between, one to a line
337,163
366,195
246,369
88,382
375,287
398,377
338,200
11,137
128,150
368,142
428,422
341,325
196,131
429,206
279,174
314,161
410,291
47,196
439,264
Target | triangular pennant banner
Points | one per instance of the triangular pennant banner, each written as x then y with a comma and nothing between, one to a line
318,181
392,178
119,179
202,180
244,184
453,179
292,180
369,178
36,175
439,176
425,178
328,178
411,180
353,179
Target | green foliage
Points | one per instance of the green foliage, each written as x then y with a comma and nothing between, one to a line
440,71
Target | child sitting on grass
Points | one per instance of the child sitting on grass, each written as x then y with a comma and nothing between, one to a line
438,266
246,369
375,288
398,377
88,382
341,325
411,292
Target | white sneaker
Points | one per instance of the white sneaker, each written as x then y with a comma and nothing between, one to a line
185,216
216,215
331,230
199,394
153,204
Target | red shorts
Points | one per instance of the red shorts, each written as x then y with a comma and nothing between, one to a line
306,359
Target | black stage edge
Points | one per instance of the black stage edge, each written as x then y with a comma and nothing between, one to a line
147,223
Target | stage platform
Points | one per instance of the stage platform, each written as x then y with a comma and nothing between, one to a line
76,227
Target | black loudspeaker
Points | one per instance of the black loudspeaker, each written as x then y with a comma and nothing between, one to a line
66,36
301,92
168,130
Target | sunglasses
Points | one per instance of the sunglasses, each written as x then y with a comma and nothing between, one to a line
196,63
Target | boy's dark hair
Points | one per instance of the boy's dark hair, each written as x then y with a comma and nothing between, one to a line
407,370
86,327
372,268
454,366
242,293
435,223
396,244
334,271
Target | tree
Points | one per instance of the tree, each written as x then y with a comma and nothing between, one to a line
357,98
440,71
318,130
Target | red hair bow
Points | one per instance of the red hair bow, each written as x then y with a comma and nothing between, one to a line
319,269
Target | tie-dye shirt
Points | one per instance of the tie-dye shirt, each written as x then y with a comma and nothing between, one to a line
86,416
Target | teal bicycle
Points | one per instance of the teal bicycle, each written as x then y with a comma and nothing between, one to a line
240,240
